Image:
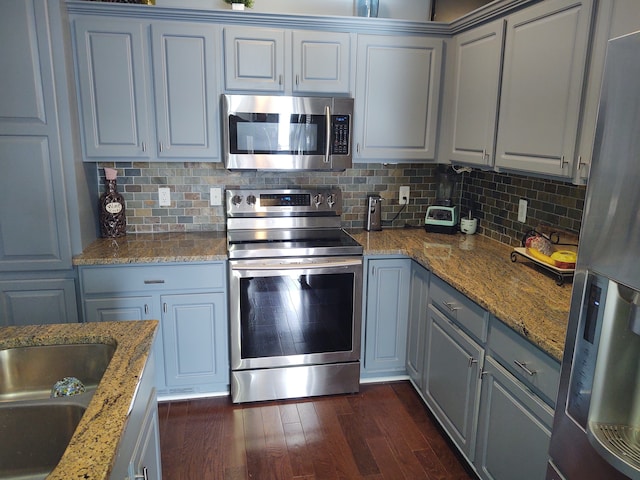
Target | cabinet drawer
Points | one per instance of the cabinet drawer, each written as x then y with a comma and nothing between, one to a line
523,359
459,308
120,279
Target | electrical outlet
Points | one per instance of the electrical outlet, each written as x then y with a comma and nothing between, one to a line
522,210
403,196
164,196
215,196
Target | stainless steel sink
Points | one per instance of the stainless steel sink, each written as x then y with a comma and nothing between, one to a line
33,436
28,373
34,428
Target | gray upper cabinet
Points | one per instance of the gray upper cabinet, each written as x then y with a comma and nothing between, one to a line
286,61
544,67
254,59
34,232
477,58
185,66
397,97
116,63
614,18
113,85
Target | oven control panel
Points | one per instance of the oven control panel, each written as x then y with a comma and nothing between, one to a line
261,203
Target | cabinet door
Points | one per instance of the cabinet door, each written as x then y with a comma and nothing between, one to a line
34,221
397,97
478,58
186,92
387,316
115,309
113,87
416,339
451,384
514,428
254,59
544,67
194,328
36,302
321,62
145,459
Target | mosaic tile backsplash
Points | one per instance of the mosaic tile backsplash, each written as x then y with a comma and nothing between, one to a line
492,197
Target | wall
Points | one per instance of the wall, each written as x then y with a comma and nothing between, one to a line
493,197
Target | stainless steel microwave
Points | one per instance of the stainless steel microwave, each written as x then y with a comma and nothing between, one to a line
287,133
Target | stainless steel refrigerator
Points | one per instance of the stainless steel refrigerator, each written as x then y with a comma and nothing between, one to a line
596,431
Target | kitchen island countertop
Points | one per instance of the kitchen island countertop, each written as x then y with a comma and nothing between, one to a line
524,298
92,450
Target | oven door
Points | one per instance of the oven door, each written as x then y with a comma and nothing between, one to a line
287,312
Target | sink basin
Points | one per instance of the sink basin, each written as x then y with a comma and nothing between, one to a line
28,373
33,437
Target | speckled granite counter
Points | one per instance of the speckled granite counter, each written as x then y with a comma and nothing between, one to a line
524,298
527,300
92,450
155,248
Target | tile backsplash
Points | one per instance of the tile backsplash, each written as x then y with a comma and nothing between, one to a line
493,197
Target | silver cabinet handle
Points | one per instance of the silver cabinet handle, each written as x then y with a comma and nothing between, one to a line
451,306
523,366
144,147
153,282
297,79
164,307
160,146
145,474
279,79
472,361
562,162
146,309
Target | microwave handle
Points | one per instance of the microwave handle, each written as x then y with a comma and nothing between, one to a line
327,149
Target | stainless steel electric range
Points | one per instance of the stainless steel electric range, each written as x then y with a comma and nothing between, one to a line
295,295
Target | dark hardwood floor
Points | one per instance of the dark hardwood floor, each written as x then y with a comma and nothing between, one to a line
383,432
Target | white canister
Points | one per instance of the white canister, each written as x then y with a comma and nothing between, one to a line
468,225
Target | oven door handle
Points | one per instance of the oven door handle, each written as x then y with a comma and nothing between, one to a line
296,266
327,149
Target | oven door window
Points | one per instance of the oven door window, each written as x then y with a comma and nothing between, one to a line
296,314
274,134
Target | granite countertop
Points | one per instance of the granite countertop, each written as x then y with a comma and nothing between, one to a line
155,248
524,298
92,450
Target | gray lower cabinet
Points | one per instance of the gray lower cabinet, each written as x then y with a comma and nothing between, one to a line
117,59
138,454
190,300
545,55
397,97
451,384
492,391
416,335
386,317
519,388
514,428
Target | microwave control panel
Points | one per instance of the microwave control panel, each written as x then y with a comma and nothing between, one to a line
340,145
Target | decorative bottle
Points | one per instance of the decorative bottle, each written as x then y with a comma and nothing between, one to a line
113,220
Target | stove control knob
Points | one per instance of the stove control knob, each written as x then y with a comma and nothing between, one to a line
331,200
251,199
236,200
317,199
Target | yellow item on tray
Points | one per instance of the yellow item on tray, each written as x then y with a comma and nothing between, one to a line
538,255
560,259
